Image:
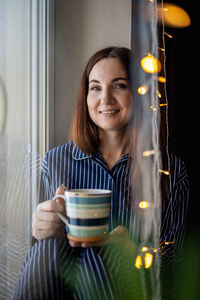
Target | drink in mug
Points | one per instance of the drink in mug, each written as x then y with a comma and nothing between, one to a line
88,212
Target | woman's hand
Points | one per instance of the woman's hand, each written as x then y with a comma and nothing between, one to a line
46,223
119,237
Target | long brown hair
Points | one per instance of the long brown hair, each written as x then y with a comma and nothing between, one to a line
84,132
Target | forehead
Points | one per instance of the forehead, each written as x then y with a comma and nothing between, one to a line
107,68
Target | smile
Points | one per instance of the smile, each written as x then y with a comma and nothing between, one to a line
107,112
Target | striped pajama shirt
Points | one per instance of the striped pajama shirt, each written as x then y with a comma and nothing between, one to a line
54,270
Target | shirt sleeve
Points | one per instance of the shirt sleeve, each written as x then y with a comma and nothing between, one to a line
175,211
45,186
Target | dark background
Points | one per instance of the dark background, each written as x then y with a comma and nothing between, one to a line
182,69
183,96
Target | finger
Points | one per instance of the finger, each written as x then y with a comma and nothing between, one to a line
46,216
45,225
119,230
51,205
74,243
100,243
43,234
60,190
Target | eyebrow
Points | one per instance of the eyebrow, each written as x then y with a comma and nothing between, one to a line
113,80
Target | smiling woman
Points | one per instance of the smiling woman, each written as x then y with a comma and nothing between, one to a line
101,156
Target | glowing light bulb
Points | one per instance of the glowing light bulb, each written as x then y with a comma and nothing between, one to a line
169,243
159,94
138,262
143,204
173,15
161,79
161,49
164,172
153,108
142,90
144,249
148,259
149,152
169,35
150,64
163,104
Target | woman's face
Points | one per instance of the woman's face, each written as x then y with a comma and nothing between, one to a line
109,97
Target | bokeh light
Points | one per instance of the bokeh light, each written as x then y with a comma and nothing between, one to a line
138,262
148,259
142,90
150,64
143,204
148,152
173,15
161,79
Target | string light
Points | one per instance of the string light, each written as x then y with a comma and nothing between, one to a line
159,94
148,256
144,249
169,35
169,243
138,262
153,108
161,79
150,64
143,204
148,259
164,172
142,90
149,152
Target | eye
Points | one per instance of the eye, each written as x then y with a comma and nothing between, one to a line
95,88
120,86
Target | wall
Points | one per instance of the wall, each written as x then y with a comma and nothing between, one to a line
81,28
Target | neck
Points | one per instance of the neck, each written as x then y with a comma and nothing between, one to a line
114,144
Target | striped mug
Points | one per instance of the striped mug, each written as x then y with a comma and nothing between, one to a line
88,212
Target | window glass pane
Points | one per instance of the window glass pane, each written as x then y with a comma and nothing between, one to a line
21,80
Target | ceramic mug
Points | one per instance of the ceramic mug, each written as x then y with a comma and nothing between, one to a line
88,212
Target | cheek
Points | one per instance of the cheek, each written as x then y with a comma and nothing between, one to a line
91,107
91,104
128,104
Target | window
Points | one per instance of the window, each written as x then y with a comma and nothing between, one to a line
26,124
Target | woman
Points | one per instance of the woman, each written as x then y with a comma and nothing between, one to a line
99,156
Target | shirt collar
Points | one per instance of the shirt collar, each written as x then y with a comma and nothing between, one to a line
77,154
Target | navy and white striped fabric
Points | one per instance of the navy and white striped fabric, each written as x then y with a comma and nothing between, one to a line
54,270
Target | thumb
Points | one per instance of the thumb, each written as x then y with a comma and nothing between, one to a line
60,191
119,230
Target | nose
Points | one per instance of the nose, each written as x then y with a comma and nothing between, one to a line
107,96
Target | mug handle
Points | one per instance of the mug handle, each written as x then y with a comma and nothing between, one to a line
64,219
